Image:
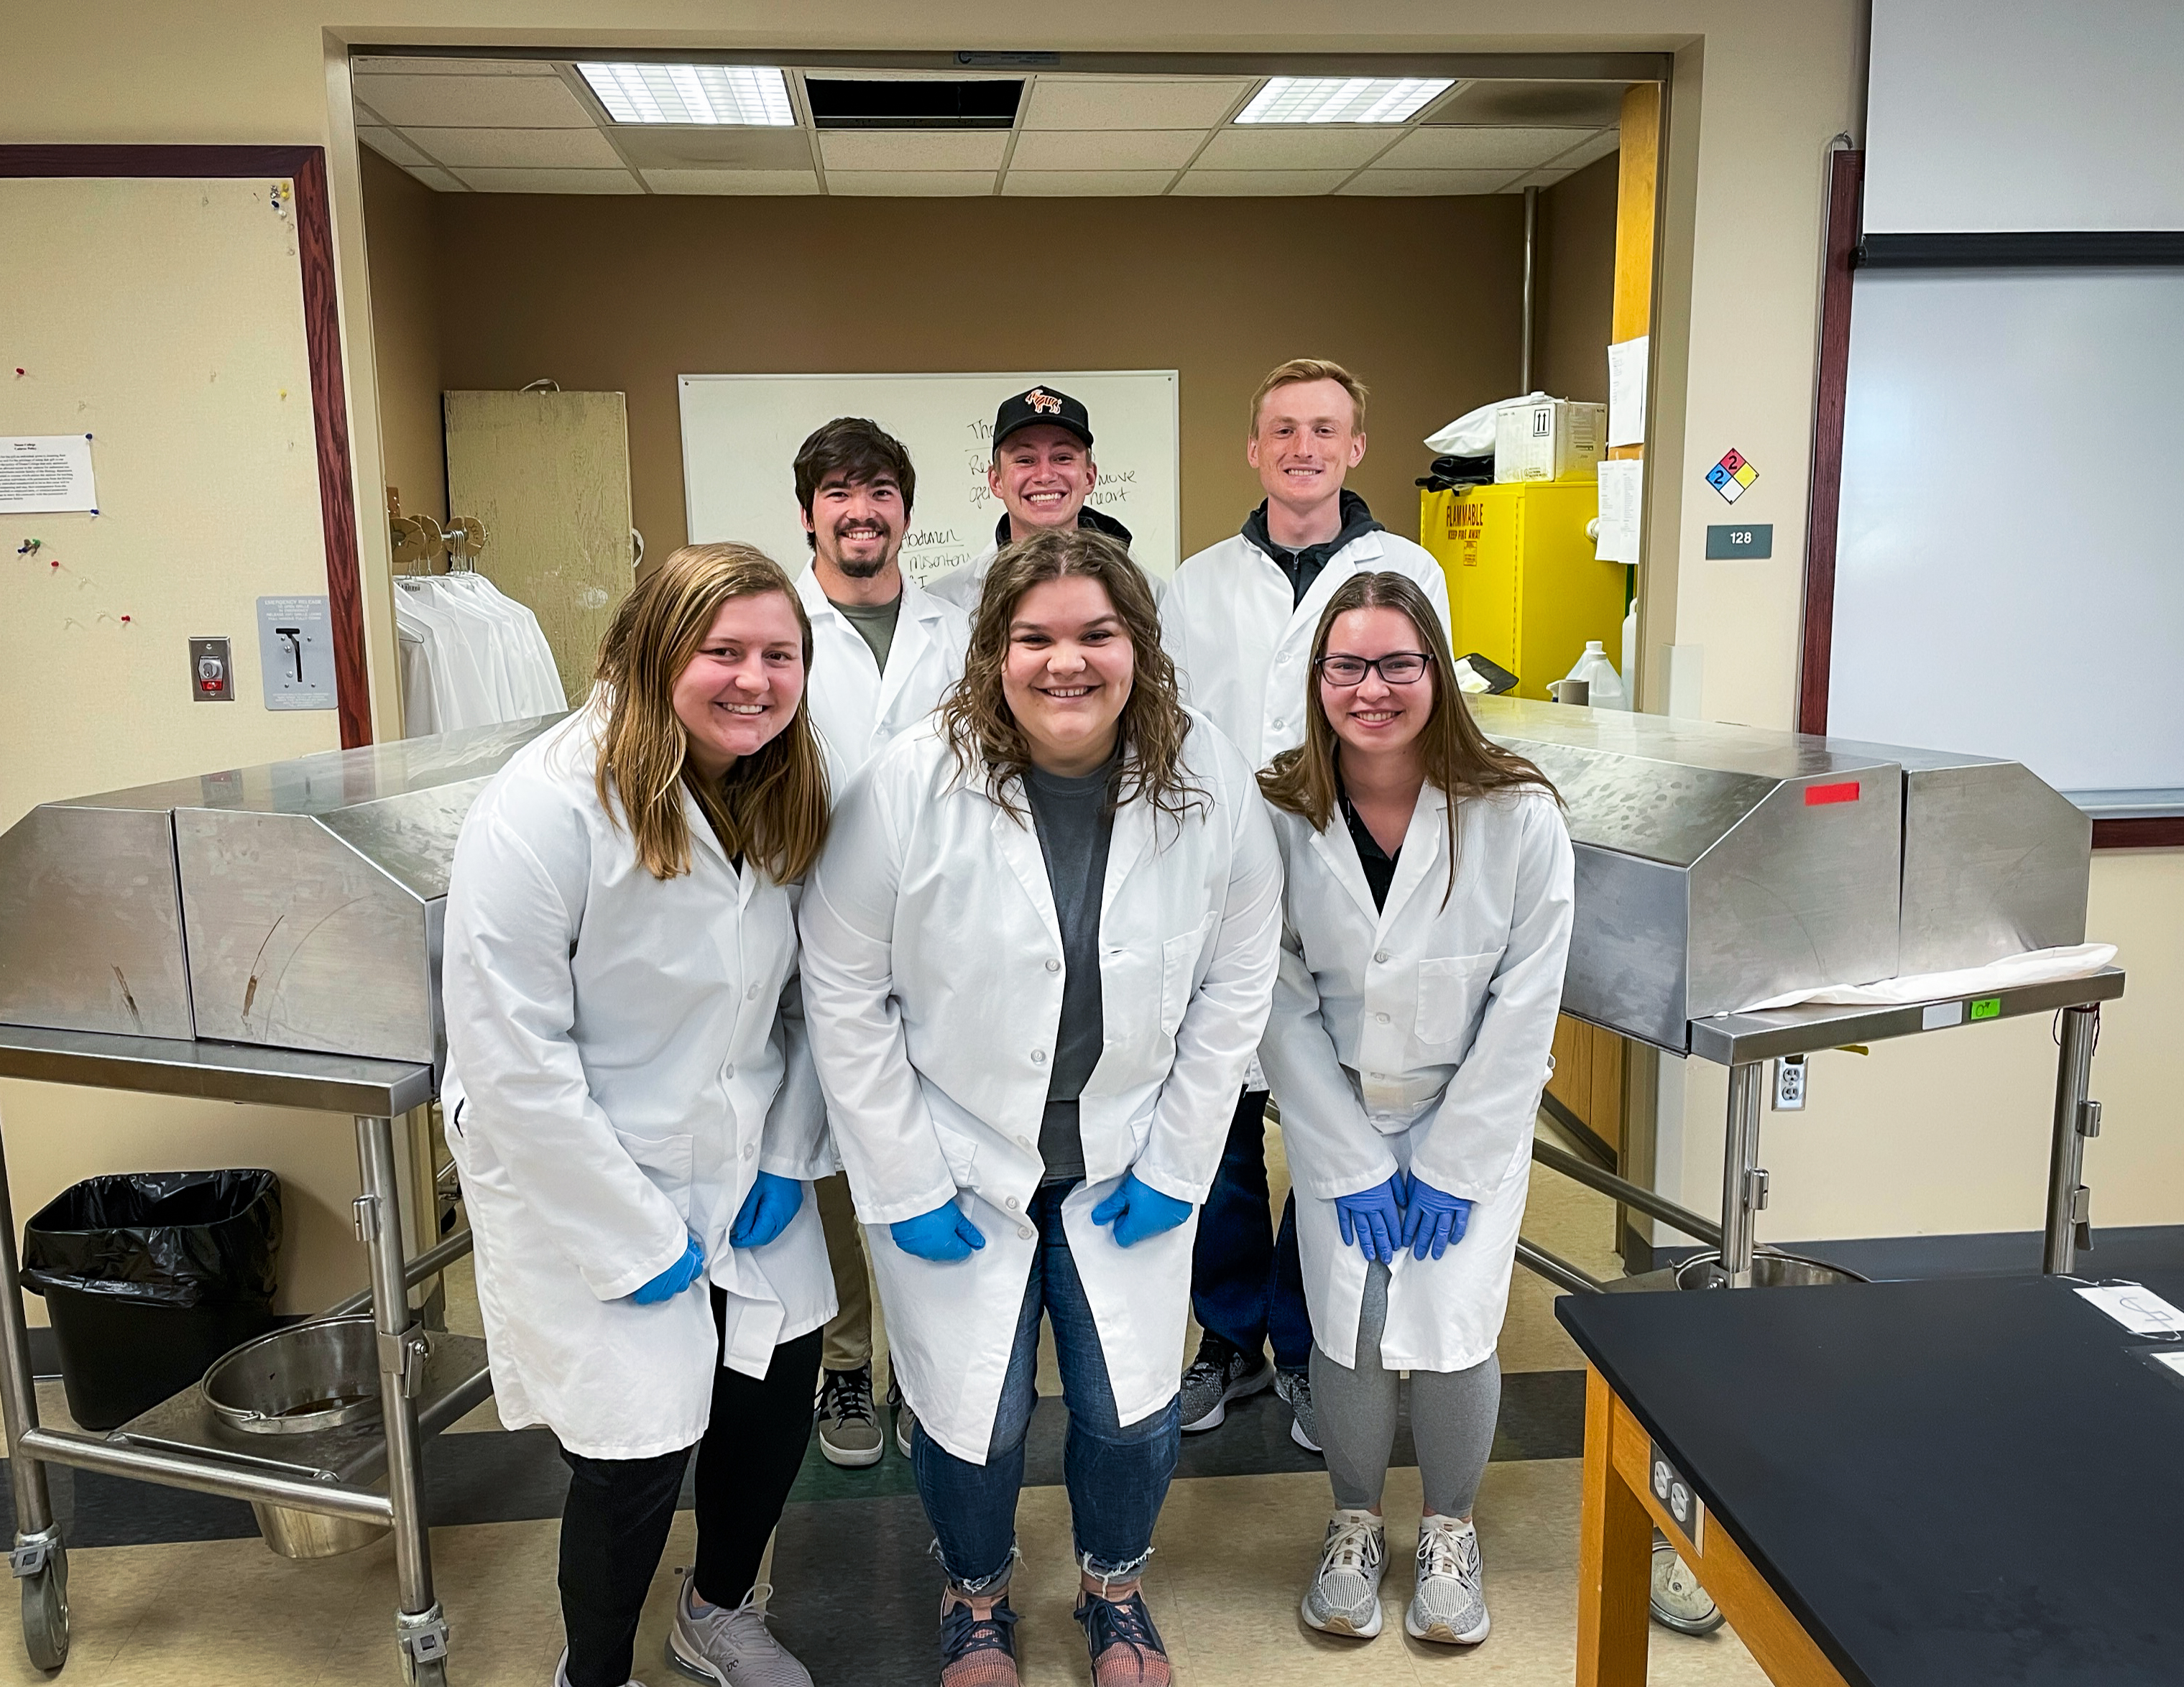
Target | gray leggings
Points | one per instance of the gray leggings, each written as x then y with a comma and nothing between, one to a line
1452,1415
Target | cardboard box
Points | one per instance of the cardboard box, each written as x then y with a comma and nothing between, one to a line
1548,439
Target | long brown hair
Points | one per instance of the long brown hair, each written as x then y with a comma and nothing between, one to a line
1458,759
770,806
976,719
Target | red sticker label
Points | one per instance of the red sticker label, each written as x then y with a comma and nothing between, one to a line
1815,795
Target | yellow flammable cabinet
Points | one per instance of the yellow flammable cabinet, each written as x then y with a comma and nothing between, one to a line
1524,589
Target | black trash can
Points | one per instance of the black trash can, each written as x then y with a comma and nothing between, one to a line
148,1278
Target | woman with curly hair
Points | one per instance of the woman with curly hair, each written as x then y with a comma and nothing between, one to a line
1038,951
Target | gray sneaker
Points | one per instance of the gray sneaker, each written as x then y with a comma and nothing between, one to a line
849,1429
730,1648
1222,1372
1345,1594
1449,1605
1296,1388
905,1420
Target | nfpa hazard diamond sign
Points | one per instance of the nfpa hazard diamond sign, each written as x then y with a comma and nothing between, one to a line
1732,476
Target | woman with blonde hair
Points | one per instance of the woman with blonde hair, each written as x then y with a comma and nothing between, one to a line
631,1100
1426,922
1038,951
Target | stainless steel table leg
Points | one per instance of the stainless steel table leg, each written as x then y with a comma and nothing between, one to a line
419,1626
39,1560
1743,1184
2069,1202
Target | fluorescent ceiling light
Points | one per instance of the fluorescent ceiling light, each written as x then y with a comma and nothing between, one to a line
1342,99
749,96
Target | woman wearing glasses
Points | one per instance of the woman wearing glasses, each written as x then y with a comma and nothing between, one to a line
1427,919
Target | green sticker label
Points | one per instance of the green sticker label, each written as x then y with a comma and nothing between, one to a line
1988,1008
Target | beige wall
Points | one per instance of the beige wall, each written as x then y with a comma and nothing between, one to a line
1757,93
405,272
1573,291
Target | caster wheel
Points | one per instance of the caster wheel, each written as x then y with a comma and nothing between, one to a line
1678,1602
46,1614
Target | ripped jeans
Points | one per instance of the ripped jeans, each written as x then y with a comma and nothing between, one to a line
1117,1477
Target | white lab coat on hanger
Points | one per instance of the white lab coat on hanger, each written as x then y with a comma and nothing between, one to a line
1242,649
858,709
1416,1038
933,974
624,1054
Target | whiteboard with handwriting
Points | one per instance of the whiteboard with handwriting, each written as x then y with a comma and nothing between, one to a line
740,433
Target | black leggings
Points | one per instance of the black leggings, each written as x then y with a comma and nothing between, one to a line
615,1521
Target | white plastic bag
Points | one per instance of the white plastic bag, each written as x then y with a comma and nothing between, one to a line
1470,435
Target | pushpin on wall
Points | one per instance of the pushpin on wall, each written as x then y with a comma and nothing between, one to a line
28,547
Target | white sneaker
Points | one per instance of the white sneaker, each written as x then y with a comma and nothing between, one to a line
1345,1594
730,1648
1449,1605
561,1673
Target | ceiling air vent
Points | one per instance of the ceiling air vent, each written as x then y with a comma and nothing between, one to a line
838,104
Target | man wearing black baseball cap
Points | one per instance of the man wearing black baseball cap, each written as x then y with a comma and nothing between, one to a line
1042,471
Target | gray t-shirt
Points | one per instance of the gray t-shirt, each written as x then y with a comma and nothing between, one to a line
875,625
1074,825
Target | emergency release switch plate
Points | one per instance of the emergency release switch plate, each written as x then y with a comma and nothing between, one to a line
296,652
212,671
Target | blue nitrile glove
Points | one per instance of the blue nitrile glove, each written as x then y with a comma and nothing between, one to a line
1373,1219
766,1210
941,1235
1138,1211
676,1278
1432,1219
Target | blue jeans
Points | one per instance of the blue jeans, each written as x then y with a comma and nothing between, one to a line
1116,1475
1246,1283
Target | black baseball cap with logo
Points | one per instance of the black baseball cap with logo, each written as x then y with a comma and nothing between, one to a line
1041,405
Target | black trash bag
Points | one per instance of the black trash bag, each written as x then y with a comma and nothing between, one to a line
148,1278
172,1239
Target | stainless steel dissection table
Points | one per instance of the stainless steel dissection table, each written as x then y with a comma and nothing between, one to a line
443,1376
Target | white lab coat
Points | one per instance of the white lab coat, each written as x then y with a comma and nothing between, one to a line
963,586
624,1055
1242,651
1417,1038
933,975
857,709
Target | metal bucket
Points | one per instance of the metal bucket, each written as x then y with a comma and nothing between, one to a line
310,1377
1770,1269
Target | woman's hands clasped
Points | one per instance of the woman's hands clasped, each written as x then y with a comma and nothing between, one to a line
1405,1211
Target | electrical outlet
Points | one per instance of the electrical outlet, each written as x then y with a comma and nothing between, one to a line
212,671
1790,1084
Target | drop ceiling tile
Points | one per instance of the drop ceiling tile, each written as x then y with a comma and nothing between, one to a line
451,67
552,181
475,103
1205,183
1104,149
1418,182
390,145
1086,184
1302,147
439,181
1480,148
520,148
1134,102
1538,178
1532,104
911,183
889,149
1591,150
731,181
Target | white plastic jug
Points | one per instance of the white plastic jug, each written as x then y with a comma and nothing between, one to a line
1630,656
1599,673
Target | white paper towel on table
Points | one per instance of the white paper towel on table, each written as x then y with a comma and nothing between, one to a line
2034,967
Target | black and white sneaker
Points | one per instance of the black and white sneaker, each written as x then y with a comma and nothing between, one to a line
1296,1388
905,1420
1222,1372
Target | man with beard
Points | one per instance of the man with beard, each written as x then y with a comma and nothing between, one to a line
882,653
1042,472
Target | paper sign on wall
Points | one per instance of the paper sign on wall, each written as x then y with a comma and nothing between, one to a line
1622,481
1626,391
45,474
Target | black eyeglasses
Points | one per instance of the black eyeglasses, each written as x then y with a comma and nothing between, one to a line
1397,667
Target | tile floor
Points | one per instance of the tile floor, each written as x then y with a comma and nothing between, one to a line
195,1597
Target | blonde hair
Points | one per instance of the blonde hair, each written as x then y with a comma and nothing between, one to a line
1459,759
1302,369
982,730
770,806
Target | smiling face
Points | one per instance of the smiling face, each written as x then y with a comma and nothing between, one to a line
741,687
857,528
1042,474
1068,671
1374,717
1307,440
